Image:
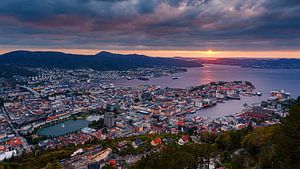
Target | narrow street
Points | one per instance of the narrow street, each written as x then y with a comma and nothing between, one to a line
24,142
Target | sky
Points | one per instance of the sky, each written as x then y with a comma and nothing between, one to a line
187,28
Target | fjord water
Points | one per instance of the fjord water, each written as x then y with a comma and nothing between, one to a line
264,80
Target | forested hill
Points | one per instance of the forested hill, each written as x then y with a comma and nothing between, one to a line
101,61
255,63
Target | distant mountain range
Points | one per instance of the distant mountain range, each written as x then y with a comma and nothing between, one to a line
256,63
12,63
101,61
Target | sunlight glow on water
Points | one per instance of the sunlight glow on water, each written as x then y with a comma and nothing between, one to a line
264,80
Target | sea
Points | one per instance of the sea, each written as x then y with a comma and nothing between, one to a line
265,80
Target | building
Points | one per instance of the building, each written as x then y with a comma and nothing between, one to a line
183,140
156,142
109,119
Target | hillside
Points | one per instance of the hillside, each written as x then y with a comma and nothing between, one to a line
255,63
101,61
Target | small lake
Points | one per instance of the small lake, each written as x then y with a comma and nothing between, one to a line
62,128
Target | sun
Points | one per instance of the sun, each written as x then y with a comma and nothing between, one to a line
210,52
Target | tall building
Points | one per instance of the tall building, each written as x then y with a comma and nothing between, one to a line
109,119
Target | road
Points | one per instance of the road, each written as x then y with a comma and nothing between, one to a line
24,141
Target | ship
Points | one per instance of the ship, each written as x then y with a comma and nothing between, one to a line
193,111
183,114
143,78
259,93
279,95
129,78
233,97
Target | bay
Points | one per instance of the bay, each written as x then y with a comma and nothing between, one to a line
265,80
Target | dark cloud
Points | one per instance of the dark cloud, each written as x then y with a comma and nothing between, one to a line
151,24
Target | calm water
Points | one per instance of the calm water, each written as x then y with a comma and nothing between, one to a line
265,80
64,127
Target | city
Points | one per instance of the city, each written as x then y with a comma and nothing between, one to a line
59,99
149,84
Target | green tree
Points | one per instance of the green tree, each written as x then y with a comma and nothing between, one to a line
288,147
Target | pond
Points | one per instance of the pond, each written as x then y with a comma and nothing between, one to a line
62,128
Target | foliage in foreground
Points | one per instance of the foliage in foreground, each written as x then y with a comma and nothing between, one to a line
178,157
276,147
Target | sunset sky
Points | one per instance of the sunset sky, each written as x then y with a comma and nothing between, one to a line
187,28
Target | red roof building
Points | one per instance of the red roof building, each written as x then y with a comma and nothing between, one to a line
156,142
15,142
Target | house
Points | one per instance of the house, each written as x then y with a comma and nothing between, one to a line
136,143
8,155
183,140
15,142
195,139
112,163
156,142
151,132
94,165
88,130
121,144
102,155
79,151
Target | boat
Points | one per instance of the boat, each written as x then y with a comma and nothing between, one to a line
143,78
221,101
233,97
247,94
129,78
259,93
193,111
197,119
174,77
63,125
181,114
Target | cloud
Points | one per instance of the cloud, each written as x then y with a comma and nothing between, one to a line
151,24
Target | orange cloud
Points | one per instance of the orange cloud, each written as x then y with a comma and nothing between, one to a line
181,53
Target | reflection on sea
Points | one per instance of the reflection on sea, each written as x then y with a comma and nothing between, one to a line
265,80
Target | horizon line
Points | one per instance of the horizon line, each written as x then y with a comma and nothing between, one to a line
186,54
